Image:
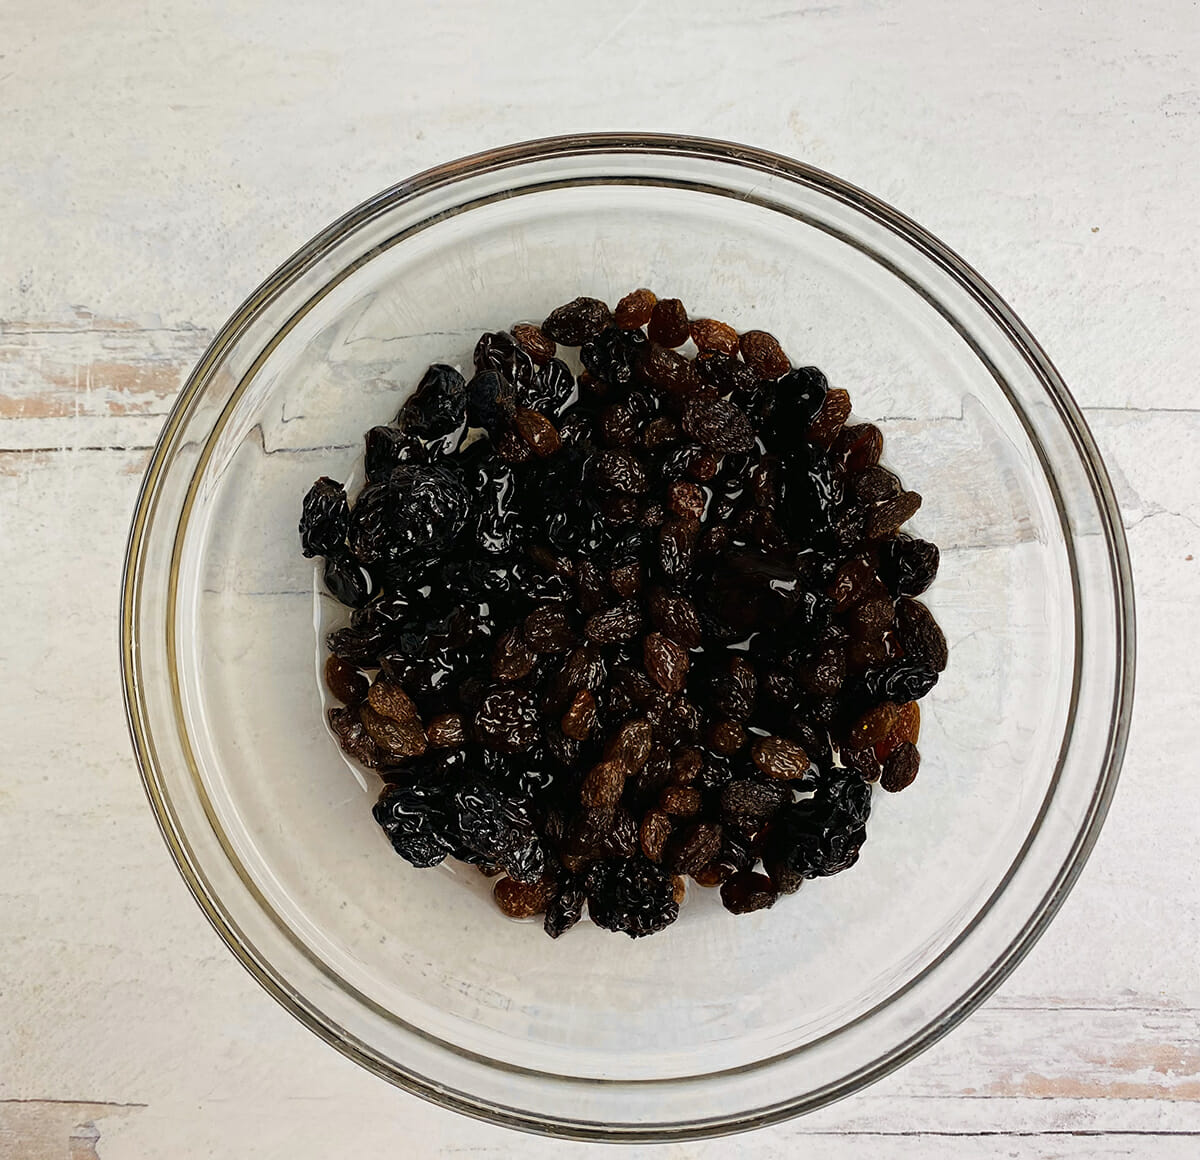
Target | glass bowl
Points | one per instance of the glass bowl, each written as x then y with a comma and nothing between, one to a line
720,1023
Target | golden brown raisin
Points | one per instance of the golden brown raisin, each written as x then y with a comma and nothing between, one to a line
523,899
630,745
396,738
446,731
668,323
512,659
665,662
709,334
603,784
900,769
907,728
779,757
763,352
344,681
392,701
858,446
580,717
680,801
653,834
540,347
873,726
537,431
678,888
827,426
634,309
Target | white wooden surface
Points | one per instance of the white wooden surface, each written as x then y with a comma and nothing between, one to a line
156,161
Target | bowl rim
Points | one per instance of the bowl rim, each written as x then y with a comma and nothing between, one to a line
966,278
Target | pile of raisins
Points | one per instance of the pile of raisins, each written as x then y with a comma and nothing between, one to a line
654,621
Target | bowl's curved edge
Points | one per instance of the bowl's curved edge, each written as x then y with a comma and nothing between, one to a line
1108,509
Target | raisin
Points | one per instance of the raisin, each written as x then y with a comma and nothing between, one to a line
539,346
552,386
630,745
746,892
446,731
325,519
710,335
858,446
686,764
835,410
547,629
352,737
635,309
618,623
884,519
851,583
685,499
666,369
904,680
823,674
507,720
907,728
537,431
513,659
920,635
500,352
680,801
626,580
346,579
693,847
523,899
603,785
873,485
631,895
580,717
719,425
565,910
660,432
392,701
666,662
577,321
726,737
676,544
612,356
873,726
779,757
907,565
753,799
394,738
735,688
864,762
344,680
725,374
668,323
763,352
437,406
900,768
619,471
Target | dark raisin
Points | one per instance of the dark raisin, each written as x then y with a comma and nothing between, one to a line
614,624
613,354
507,719
676,544
720,425
491,402
353,738
693,847
873,485
726,737
630,745
577,321
631,895
325,519
446,731
437,406
725,374
907,565
680,801
603,785
385,448
580,717
346,579
619,471
858,446
537,431
884,519
550,390
920,635
565,909
668,323
905,680
746,892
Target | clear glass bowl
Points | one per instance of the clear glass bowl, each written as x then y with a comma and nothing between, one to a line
720,1023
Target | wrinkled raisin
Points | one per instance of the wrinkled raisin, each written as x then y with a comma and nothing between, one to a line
538,345
635,309
900,768
710,335
668,323
835,410
614,624
577,321
507,719
747,891
325,519
779,757
920,635
763,352
884,519
523,899
666,662
873,726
